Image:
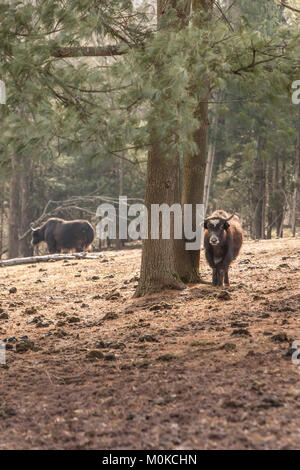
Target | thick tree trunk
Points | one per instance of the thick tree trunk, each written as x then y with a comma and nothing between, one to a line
159,257
194,170
296,182
193,190
165,263
159,267
14,210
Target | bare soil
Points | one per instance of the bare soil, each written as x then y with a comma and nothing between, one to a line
89,367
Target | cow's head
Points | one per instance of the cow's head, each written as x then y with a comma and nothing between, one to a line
216,228
37,236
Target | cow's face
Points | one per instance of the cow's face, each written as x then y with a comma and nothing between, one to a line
36,237
216,230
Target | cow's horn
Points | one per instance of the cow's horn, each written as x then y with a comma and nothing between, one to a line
230,217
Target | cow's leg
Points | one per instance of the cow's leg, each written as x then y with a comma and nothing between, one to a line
52,247
226,277
80,247
215,277
220,277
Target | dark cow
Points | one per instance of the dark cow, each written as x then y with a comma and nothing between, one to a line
64,235
223,238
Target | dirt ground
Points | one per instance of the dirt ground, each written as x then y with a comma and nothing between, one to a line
89,367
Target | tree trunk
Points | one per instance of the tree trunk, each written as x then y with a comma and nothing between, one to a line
159,267
211,152
296,182
119,242
14,210
1,218
281,202
269,202
192,192
264,190
258,192
165,263
276,196
25,247
194,171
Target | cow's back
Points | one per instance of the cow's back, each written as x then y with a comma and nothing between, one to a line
72,232
52,226
236,231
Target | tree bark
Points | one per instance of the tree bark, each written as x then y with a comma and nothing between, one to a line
159,267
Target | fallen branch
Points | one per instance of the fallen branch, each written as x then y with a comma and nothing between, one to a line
46,258
3,252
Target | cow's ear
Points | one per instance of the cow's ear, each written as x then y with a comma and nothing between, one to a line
226,225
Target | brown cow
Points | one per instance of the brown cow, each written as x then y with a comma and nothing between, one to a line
223,238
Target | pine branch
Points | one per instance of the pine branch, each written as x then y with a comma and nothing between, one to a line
253,64
287,6
97,51
104,90
223,15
